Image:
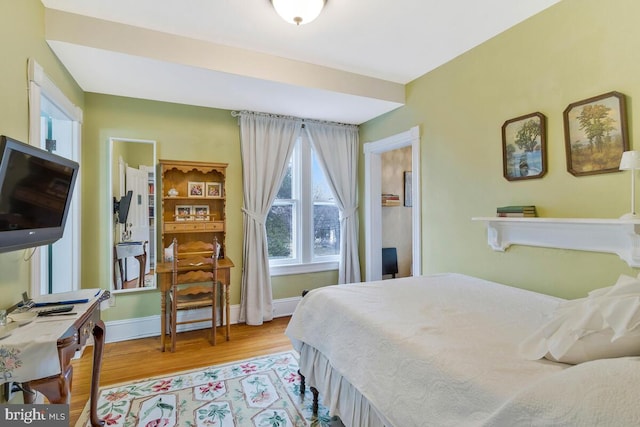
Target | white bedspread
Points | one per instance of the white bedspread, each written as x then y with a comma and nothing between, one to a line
434,350
599,393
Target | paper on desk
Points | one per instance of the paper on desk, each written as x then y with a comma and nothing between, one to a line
53,317
82,294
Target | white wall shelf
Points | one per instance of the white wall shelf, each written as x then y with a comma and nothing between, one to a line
617,236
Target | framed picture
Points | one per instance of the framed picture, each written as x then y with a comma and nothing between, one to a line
214,189
408,199
524,147
196,189
184,212
595,134
201,212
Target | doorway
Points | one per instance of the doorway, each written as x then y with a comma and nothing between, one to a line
373,207
397,208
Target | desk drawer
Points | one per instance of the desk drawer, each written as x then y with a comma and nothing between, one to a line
76,337
214,226
85,330
186,226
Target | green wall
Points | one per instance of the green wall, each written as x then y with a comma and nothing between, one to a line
181,132
21,38
572,51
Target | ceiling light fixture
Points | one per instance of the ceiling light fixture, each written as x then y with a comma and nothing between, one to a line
298,11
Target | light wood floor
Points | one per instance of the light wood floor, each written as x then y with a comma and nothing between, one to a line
139,359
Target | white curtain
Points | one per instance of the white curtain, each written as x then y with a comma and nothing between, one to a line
266,146
336,147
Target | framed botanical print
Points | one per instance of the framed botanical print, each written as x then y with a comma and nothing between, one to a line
595,134
524,147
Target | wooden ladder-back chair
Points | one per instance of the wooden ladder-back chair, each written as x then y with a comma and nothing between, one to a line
194,284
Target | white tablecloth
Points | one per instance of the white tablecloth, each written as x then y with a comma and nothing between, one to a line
30,351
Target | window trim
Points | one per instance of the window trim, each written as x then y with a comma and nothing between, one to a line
310,267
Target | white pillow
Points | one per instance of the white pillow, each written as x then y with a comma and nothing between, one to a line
603,325
598,345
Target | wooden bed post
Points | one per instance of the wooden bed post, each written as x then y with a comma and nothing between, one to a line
303,386
314,407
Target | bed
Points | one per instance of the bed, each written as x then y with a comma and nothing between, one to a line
447,350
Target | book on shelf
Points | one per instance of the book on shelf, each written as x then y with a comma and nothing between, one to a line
515,215
390,200
517,211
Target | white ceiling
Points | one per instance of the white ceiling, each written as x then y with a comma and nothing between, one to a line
349,65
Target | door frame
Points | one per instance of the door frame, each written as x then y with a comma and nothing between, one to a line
373,205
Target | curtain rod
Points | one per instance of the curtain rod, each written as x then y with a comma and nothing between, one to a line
279,116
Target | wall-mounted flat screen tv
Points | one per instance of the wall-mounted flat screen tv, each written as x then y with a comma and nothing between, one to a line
35,195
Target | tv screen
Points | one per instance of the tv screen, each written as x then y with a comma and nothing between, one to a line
35,194
122,207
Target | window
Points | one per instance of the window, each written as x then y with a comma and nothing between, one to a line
303,225
55,268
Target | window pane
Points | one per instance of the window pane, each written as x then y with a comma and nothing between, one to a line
321,190
326,229
326,215
280,233
285,191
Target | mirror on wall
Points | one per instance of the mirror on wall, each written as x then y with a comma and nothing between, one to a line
132,203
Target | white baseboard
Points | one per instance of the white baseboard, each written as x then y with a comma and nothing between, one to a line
143,327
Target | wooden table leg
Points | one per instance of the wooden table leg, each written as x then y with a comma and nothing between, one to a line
56,389
117,268
314,405
227,304
98,346
143,265
303,386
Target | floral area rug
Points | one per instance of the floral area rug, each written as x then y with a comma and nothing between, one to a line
262,392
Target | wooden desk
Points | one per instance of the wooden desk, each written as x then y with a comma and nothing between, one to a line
164,270
57,389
